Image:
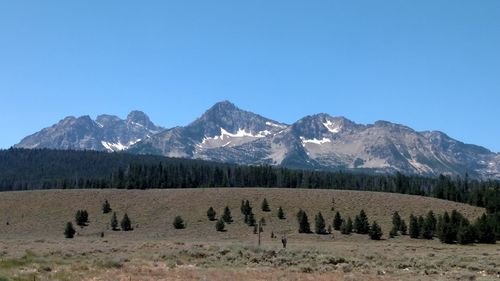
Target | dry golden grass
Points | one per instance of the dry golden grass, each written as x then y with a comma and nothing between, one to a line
32,244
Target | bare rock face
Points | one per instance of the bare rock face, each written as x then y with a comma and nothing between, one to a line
106,133
226,133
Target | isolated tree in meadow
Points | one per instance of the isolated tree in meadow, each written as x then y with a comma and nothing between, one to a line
304,226
179,223
414,227
226,216
265,206
211,214
319,224
349,225
81,218
126,224
69,231
375,231
114,222
247,208
281,214
337,221
106,207
220,225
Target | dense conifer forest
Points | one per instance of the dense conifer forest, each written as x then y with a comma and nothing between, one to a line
23,169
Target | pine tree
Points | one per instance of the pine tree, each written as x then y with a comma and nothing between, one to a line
69,231
432,221
427,229
337,221
211,214
281,214
466,234
414,227
349,225
251,219
114,222
485,230
126,224
420,221
265,206
446,230
404,228
220,225
361,224
242,207
179,223
226,216
375,231
304,226
262,221
396,223
82,218
106,207
247,208
319,225
346,226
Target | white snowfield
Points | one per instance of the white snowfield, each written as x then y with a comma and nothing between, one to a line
118,146
332,127
315,141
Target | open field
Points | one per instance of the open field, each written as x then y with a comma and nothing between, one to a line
32,241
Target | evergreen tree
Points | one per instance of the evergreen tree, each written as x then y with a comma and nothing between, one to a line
251,219
262,221
396,222
485,230
247,208
466,233
446,231
346,226
114,222
361,224
375,231
106,207
404,228
126,224
255,229
349,225
420,221
242,207
429,226
337,221
220,225
393,232
320,226
304,226
226,216
265,206
81,218
211,214
414,227
281,214
179,223
432,221
69,231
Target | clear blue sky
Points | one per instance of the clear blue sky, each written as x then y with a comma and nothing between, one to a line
432,65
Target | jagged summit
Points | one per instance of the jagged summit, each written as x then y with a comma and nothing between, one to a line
227,133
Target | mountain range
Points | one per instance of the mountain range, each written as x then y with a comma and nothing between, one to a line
226,133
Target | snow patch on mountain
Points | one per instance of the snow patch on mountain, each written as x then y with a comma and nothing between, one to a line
118,146
275,125
315,141
332,127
